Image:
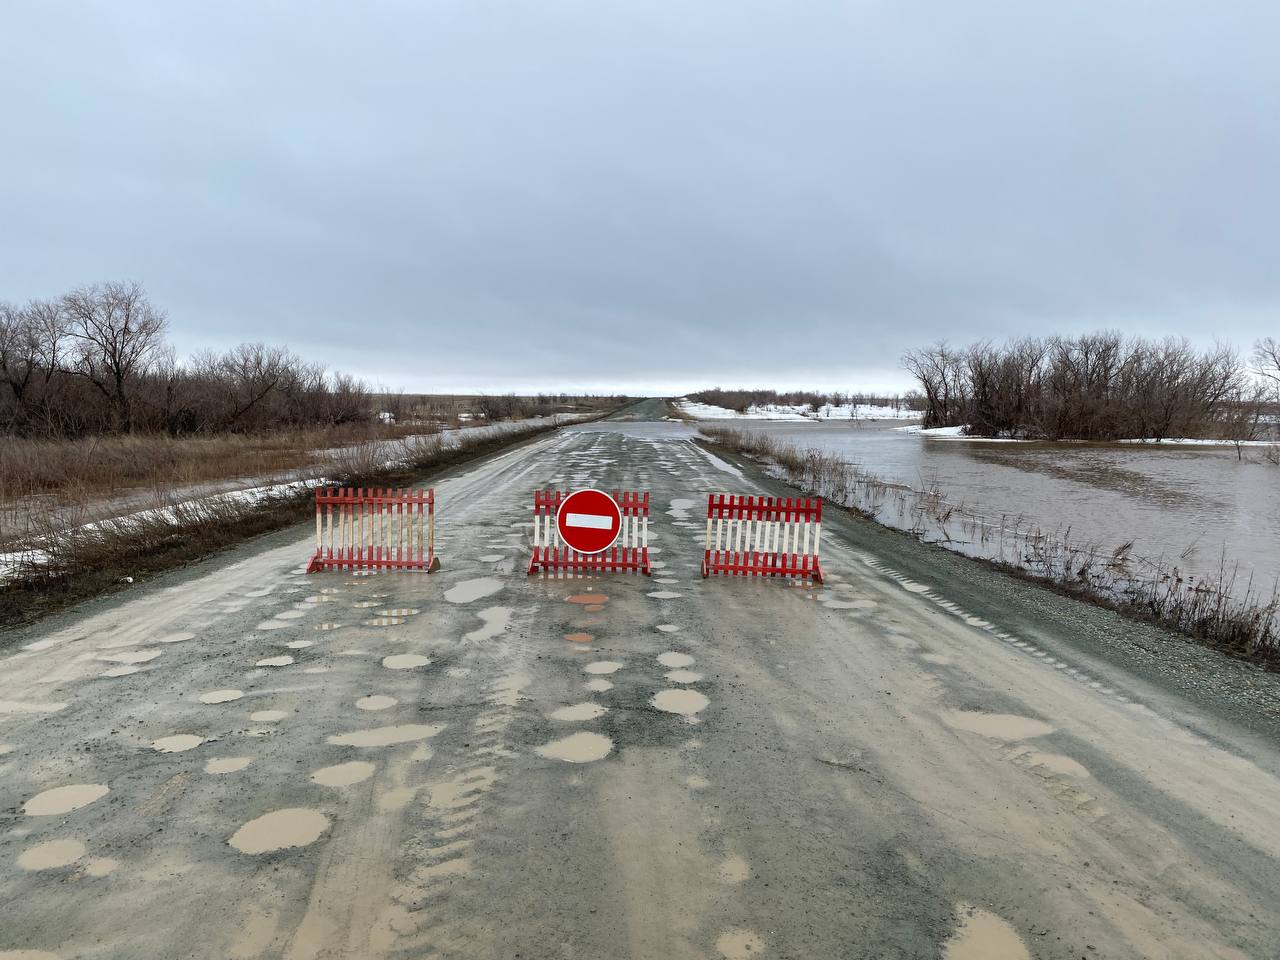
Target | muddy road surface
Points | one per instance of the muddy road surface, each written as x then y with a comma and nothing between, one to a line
918,759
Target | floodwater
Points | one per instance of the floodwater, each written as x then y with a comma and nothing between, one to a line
1188,507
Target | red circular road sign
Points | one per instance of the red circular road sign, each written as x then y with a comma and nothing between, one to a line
589,521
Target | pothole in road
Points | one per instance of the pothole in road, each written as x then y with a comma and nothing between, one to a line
280,830
588,599
298,644
983,936
405,661
268,716
495,621
221,696
62,800
221,765
275,662
674,659
598,685
668,627
579,712
581,747
683,676
997,726
376,701
665,595
686,703
178,743
344,774
52,855
603,667
579,637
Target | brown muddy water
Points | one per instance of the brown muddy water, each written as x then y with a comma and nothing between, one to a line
1186,508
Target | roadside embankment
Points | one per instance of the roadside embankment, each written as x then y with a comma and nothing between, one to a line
56,564
1216,610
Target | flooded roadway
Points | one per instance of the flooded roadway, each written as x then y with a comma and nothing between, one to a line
920,759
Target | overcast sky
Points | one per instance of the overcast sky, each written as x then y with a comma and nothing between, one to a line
647,196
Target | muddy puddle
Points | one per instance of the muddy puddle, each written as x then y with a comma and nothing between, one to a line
268,716
62,800
602,667
579,712
683,676
740,944
223,765
275,662
405,661
581,747
686,703
494,620
280,830
52,855
178,743
983,936
997,726
579,637
344,774
673,659
376,701
598,685
221,696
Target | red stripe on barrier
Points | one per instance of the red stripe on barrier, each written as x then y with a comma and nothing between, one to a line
791,523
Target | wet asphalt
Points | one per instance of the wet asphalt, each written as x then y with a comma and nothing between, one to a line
922,758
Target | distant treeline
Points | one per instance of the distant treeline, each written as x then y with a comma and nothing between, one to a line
1101,386
742,400
96,360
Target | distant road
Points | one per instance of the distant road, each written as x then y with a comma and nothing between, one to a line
921,759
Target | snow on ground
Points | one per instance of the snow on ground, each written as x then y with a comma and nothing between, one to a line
772,411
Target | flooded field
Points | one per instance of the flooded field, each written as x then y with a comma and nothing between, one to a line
1188,508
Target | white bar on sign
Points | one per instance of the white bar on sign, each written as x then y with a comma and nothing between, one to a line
590,520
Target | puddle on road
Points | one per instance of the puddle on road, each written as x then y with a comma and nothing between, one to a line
288,615
344,774
683,676
665,595
405,661
983,936
734,869
298,644
226,764
495,622
599,685
579,712
740,944
376,701
268,716
273,625
588,599
386,736
97,867
674,659
579,747
275,662
51,855
221,696
603,667
1056,763
687,703
61,800
668,627
469,590
997,726
579,637
133,656
178,743
280,830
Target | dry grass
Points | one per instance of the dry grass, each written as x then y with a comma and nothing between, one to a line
64,565
1215,610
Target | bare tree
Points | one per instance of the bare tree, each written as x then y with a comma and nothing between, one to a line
116,333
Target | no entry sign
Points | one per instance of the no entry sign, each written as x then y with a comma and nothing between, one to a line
589,521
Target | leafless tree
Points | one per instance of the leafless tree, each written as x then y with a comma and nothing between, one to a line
117,334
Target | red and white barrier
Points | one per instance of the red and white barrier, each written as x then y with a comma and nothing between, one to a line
629,550
363,529
763,536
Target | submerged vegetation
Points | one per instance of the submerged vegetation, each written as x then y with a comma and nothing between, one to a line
1218,610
